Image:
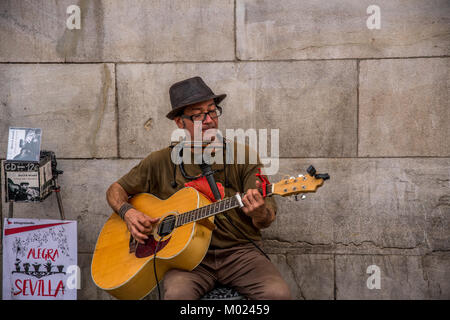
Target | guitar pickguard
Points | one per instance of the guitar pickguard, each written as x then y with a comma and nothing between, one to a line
149,247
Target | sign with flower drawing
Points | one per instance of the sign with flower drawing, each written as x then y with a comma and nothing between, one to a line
40,259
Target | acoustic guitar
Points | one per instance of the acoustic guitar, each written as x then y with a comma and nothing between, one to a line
180,239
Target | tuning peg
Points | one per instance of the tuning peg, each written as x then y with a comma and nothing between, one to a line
302,197
324,176
311,170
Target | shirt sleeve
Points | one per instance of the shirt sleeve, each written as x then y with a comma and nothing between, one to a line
137,180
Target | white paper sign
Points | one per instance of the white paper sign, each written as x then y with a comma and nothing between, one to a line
40,259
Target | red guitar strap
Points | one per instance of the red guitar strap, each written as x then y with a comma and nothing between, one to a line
202,186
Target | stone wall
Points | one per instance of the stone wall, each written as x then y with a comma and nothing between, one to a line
369,106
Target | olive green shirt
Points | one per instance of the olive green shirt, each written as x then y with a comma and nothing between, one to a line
155,173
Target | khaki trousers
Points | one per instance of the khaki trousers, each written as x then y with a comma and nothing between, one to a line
243,268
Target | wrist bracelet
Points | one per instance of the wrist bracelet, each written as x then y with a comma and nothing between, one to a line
123,209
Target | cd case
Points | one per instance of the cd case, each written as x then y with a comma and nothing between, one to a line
28,181
24,144
27,170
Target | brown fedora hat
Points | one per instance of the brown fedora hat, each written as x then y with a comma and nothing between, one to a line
188,92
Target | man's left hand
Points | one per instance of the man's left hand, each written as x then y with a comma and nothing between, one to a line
255,207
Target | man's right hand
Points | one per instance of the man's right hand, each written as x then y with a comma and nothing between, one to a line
139,224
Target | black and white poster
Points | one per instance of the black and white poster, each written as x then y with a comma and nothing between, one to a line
23,186
24,144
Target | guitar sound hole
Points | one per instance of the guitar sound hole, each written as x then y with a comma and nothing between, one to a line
166,226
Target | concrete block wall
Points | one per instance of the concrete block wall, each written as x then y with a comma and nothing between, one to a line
369,106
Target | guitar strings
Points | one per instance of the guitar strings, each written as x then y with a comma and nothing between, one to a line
191,213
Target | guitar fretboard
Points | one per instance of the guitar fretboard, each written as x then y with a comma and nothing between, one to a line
207,211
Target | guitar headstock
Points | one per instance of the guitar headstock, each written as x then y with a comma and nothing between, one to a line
300,184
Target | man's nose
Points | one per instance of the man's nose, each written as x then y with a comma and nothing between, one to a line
208,118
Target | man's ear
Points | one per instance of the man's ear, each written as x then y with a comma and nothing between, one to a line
179,121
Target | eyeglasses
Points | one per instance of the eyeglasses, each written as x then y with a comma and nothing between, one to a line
214,114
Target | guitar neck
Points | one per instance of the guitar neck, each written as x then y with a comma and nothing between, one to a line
212,209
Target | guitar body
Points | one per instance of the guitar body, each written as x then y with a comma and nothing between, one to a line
125,276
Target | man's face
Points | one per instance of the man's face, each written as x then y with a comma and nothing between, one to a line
201,107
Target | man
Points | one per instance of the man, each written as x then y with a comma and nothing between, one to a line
232,259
